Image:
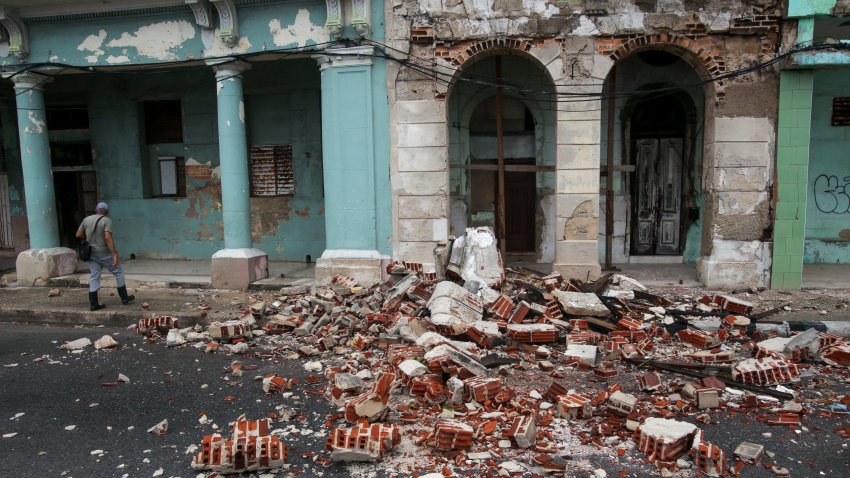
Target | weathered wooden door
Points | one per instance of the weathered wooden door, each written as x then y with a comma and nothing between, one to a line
659,196
520,211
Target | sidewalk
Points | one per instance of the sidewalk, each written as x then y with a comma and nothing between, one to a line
170,274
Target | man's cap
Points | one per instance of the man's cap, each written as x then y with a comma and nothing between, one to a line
102,205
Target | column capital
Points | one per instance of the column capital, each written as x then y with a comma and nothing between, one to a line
28,80
228,67
344,57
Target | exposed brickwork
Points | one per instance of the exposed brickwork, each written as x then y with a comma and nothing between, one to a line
459,52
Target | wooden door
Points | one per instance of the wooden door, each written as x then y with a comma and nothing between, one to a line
520,211
658,196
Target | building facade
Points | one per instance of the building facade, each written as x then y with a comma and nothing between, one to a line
813,162
227,129
659,115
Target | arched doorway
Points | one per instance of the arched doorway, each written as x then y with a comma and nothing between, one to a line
658,150
521,116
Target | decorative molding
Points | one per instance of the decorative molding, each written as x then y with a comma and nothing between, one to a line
334,17
345,57
228,22
360,10
15,31
28,80
203,13
226,68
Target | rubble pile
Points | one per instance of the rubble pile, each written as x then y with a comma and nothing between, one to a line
480,367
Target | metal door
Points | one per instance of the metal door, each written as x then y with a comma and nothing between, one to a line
659,196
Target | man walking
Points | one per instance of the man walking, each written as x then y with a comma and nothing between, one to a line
98,229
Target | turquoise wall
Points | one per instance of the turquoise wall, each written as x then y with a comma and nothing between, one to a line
282,101
828,198
168,34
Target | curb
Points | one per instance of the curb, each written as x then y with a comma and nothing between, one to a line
109,318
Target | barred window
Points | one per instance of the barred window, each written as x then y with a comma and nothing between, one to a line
271,171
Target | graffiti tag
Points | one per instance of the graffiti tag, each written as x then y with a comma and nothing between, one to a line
830,196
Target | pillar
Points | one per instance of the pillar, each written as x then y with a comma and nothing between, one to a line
792,173
349,166
238,264
44,259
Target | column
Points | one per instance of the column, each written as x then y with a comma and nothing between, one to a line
45,258
349,165
792,173
238,264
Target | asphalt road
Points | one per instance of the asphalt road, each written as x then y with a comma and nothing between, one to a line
56,389
60,390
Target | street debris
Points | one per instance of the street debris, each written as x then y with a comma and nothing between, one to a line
510,372
105,342
78,344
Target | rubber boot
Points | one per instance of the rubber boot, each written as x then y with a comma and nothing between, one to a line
125,299
95,305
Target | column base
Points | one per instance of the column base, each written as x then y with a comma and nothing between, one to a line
34,266
234,269
735,264
583,272
366,267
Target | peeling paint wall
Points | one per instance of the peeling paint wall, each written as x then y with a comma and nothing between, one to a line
828,190
169,34
287,228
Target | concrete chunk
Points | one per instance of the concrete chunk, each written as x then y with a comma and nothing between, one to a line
579,303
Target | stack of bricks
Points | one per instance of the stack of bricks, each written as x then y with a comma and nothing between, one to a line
273,383
575,405
160,323
664,440
533,333
363,442
698,338
430,387
250,448
501,308
709,459
713,356
399,353
523,431
837,355
520,312
484,334
422,35
371,405
765,371
452,435
230,329
482,389
554,391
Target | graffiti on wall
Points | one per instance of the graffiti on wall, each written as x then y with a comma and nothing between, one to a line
832,196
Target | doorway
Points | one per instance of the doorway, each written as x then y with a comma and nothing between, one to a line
658,129
76,197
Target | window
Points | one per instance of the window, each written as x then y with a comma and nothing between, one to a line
841,111
67,117
172,176
271,171
163,122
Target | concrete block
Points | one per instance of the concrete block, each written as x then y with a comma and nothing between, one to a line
741,179
567,205
743,129
363,266
750,154
423,159
34,264
420,112
422,207
422,184
579,271
411,251
576,252
740,202
576,181
421,135
573,156
234,269
577,132
730,275
423,229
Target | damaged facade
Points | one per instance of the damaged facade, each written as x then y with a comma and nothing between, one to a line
355,133
220,128
691,160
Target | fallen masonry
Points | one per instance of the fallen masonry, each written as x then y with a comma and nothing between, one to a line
492,371
250,448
